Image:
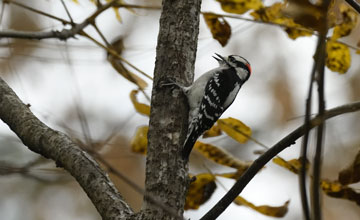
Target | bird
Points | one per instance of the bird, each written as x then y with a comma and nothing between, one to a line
211,94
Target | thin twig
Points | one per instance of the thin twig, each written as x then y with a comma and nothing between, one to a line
101,34
38,11
62,35
316,211
259,163
115,54
121,5
67,11
304,146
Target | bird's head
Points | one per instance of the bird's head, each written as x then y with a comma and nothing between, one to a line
239,63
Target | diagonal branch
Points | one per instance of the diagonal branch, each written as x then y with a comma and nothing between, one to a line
63,34
272,152
354,5
57,146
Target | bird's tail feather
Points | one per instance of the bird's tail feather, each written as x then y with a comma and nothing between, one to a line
188,145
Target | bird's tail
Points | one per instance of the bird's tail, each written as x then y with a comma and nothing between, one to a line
188,145
190,140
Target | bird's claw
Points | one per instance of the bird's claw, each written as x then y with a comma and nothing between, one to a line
167,82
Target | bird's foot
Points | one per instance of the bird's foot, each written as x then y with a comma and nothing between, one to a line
165,82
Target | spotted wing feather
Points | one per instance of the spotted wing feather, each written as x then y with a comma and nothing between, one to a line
220,92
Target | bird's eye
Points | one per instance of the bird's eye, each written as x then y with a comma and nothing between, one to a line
231,58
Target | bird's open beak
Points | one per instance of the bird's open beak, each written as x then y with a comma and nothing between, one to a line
219,58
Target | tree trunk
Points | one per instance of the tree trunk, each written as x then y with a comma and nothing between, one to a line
166,173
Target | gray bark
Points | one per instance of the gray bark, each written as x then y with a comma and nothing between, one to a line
166,172
57,146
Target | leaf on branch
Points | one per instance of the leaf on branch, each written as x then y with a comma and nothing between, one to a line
220,156
200,191
349,19
214,131
118,46
336,190
293,165
338,57
139,107
139,142
239,6
305,13
273,14
352,173
235,129
220,29
273,211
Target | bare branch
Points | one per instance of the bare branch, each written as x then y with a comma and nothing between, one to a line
61,35
316,211
121,5
271,153
57,146
354,5
67,11
36,11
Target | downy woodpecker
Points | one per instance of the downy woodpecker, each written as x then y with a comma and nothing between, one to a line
211,94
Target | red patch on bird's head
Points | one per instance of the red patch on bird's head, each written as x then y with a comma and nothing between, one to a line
248,66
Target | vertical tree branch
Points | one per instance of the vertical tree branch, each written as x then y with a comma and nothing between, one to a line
166,172
304,149
317,75
320,79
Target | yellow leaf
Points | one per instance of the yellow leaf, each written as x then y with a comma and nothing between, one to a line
268,14
305,13
349,20
117,14
212,132
76,1
118,46
235,129
219,27
239,6
139,142
328,186
139,107
273,211
220,156
336,190
295,30
200,191
293,165
352,173
273,14
338,56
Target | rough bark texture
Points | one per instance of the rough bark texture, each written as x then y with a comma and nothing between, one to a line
57,146
166,172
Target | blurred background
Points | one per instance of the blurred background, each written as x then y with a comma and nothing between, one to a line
72,87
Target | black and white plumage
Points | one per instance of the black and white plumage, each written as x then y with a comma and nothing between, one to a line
211,94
